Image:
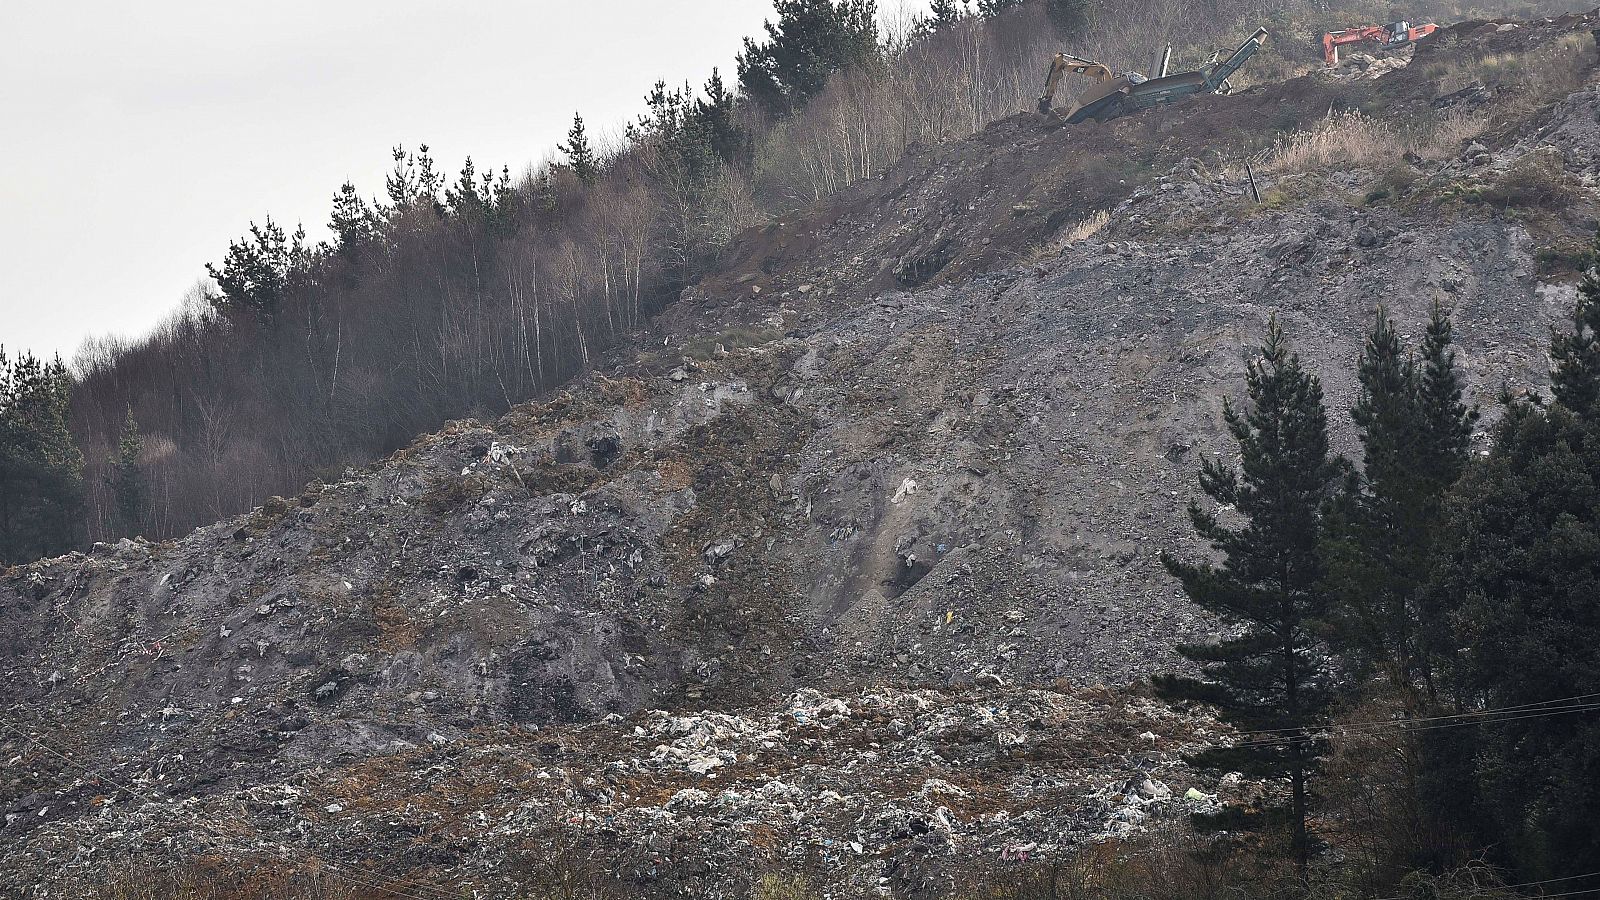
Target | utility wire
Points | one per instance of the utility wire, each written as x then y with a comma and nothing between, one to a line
1525,884
1401,724
1461,715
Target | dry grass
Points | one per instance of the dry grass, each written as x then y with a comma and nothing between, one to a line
1350,138
1538,180
1168,862
220,879
783,887
1071,234
1535,77
1085,229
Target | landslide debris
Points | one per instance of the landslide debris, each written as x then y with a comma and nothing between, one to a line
871,792
806,569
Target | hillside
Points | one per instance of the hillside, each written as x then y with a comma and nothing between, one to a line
847,562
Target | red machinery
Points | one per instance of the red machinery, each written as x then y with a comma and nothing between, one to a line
1395,34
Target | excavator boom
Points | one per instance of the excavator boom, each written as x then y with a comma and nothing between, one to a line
1077,65
1395,34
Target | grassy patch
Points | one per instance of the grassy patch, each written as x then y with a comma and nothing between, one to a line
704,348
1081,230
1352,138
1536,181
1529,79
1565,258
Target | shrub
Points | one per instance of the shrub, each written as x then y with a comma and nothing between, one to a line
1536,181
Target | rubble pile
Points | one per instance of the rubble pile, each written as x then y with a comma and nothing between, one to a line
887,789
799,579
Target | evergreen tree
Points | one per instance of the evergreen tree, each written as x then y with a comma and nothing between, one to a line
811,40
992,8
482,199
413,184
354,223
1272,674
41,468
1067,15
258,270
697,134
1575,377
1447,422
1414,432
128,478
1523,577
715,117
580,156
1518,574
943,14
1377,533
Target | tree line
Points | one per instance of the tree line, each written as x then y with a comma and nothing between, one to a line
1455,597
459,295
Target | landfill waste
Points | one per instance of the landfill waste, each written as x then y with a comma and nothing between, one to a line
871,593
865,788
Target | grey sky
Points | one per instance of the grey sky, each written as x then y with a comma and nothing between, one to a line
140,137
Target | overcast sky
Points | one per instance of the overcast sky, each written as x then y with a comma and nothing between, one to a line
140,137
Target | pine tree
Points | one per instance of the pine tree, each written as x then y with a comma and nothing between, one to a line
1447,422
41,468
1272,674
944,14
714,114
1517,579
1376,534
580,156
128,478
413,184
354,223
1414,433
992,8
1385,410
811,40
1067,15
480,199
256,272
1575,376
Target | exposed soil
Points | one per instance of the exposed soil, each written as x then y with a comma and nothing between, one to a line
849,567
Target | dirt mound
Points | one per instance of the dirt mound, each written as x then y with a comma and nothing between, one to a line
929,435
944,214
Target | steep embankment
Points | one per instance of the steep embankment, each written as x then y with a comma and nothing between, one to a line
925,437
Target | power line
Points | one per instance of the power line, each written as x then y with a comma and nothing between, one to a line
1527,884
1496,720
1461,715
1291,740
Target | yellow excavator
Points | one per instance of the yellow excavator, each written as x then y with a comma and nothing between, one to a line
1111,95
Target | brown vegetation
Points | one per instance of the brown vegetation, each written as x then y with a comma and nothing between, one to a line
462,299
214,878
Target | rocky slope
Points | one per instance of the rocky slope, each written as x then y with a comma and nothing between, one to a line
847,566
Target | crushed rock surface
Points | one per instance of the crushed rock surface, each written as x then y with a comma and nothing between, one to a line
687,596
